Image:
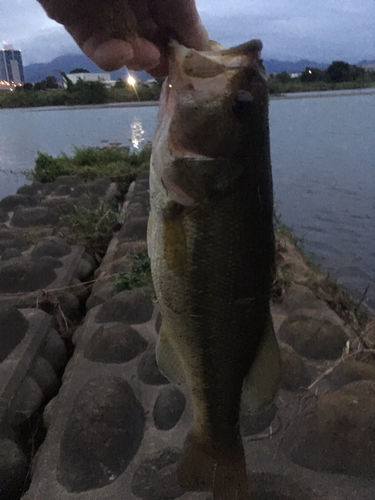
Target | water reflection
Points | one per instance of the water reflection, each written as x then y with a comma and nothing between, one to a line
137,133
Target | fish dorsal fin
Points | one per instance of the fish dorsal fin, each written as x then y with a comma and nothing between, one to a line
168,360
261,384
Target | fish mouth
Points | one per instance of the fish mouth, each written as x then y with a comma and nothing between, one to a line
211,63
211,71
213,105
201,92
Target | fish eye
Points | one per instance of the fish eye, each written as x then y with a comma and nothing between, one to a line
242,104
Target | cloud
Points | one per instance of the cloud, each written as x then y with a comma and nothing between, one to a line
25,25
47,45
323,30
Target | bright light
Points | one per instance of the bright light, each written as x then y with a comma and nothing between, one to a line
131,80
310,71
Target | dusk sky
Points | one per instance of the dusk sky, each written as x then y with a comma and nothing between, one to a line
320,30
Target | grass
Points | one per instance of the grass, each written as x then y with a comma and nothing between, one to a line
92,163
295,85
317,279
138,276
92,227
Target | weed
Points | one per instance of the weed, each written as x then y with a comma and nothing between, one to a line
92,163
31,236
139,274
92,227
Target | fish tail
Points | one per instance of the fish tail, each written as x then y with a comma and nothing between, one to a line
205,467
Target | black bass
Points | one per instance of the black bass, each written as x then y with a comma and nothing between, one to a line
211,244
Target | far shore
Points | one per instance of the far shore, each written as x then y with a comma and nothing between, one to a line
138,104
324,93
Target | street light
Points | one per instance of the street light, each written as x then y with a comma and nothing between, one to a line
132,81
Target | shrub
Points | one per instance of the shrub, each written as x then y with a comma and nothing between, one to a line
91,163
139,275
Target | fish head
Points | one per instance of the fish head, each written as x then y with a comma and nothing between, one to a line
213,111
215,99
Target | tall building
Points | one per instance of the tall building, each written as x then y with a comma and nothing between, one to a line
11,67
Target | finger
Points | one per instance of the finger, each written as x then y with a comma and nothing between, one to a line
182,18
139,54
109,55
146,55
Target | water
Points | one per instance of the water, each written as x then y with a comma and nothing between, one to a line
323,156
54,131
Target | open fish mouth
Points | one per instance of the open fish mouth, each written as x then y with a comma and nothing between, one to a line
209,110
210,94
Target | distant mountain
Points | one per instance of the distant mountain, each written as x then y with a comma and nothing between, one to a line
275,66
363,63
39,71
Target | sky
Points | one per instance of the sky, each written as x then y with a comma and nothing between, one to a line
319,30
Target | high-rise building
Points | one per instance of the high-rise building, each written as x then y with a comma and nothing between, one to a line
11,67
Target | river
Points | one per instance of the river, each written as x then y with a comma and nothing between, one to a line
323,155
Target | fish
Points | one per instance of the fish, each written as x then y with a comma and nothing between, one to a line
212,250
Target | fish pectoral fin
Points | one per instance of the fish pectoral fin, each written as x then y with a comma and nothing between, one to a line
261,384
167,358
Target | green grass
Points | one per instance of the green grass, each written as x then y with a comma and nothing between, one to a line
92,163
92,227
295,85
138,276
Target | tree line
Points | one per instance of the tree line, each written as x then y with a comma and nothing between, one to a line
339,74
50,92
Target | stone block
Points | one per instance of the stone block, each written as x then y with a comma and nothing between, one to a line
314,334
148,370
294,373
36,216
337,433
126,307
169,407
13,470
11,202
115,343
103,434
156,478
13,327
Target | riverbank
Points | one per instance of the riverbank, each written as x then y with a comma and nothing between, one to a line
324,93
310,156
303,94
116,425
138,104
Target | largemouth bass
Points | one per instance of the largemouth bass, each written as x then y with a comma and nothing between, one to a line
211,244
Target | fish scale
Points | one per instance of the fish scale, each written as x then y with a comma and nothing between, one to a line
211,245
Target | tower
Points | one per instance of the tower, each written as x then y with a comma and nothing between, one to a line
11,67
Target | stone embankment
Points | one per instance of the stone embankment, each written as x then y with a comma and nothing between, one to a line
116,426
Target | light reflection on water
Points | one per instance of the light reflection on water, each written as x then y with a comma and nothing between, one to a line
138,134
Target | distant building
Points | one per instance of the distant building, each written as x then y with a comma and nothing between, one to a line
11,67
105,78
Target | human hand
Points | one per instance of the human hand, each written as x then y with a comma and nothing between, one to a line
132,33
